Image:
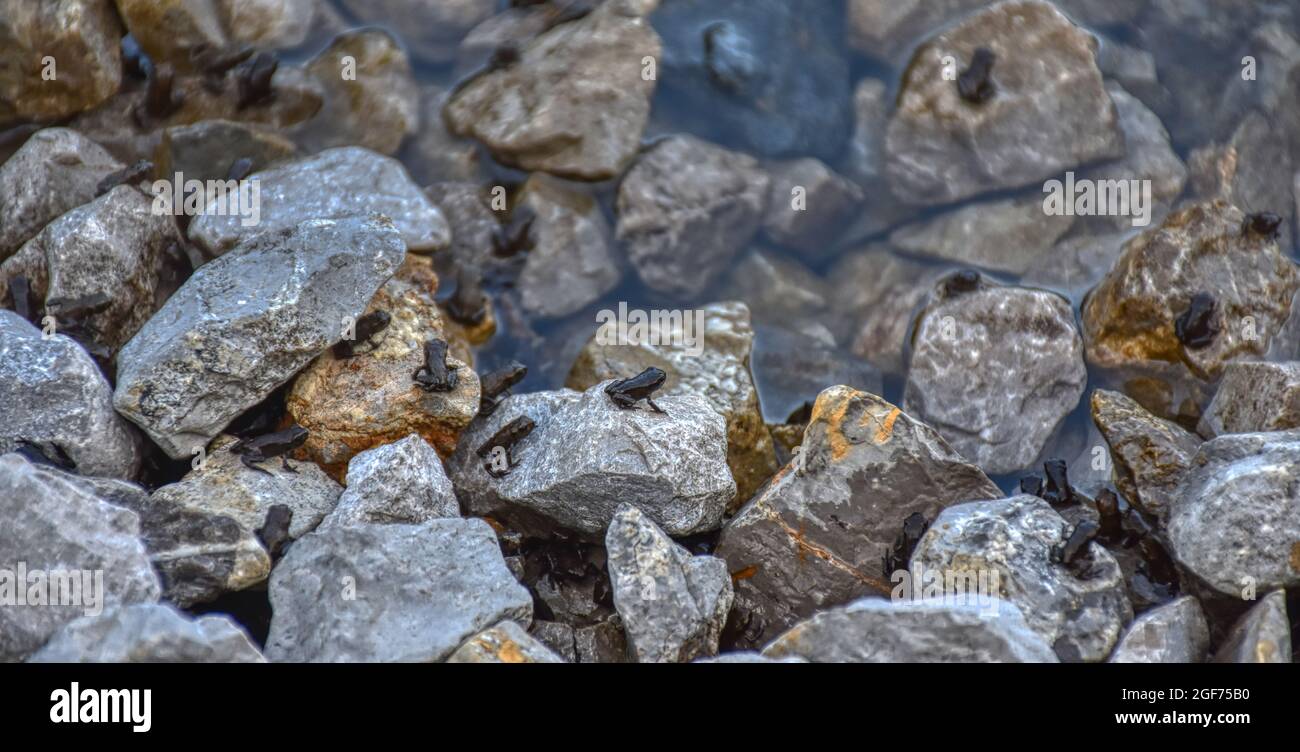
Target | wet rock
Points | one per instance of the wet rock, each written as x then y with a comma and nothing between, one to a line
1254,397
792,367
1050,112
370,96
887,29
353,404
507,642
574,104
1235,522
474,225
1010,235
246,322
874,630
708,356
1135,70
877,294
1252,170
54,398
557,636
601,643
808,204
995,370
1263,635
206,150
174,31
1076,263
570,263
673,604
1151,455
402,483
1129,318
56,170
432,30
59,535
1080,613
390,593
433,154
866,153
149,633
685,209
747,656
269,24
81,36
1173,633
111,247
771,73
587,456
814,536
777,288
334,184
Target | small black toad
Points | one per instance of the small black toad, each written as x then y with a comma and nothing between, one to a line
505,438
255,79
239,169
434,375
975,84
468,305
125,176
1263,224
897,558
1073,552
365,329
1058,491
160,97
274,532
1195,328
270,445
627,392
496,384
966,280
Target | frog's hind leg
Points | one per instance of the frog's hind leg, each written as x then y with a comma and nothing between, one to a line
249,464
655,407
284,462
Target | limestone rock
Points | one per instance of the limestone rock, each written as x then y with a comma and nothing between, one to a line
507,642
149,633
1173,633
1151,455
1254,397
403,483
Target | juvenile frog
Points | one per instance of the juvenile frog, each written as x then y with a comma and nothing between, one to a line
435,375
267,446
627,392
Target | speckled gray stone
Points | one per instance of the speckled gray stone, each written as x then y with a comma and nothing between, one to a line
82,37
1254,397
808,205
1262,635
1150,455
507,642
403,482
1007,235
570,263
1173,633
149,633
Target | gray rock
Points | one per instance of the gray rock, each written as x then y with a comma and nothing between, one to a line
557,636
1012,539
474,225
507,642
1263,635
82,37
110,246
877,293
385,593
791,367
1008,235
433,30
1235,522
570,263
685,209
815,535
574,105
777,288
673,605
1150,455
246,322
808,204
1134,69
433,154
173,31
57,169
887,29
1252,170
78,552
1076,263
601,643
874,630
269,24
207,149
1254,397
748,656
148,633
52,395
403,482
1050,112
586,457
995,370
334,184
1173,633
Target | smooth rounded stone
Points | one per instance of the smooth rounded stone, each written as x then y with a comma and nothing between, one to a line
748,656
245,323
149,633
574,104
1254,397
1081,618
673,605
995,370
1150,455
1129,318
888,29
1173,633
349,181
400,483
1235,522
1050,112
807,206
876,294
369,400
571,263
791,367
432,29
111,246
370,96
513,26
507,642
71,539
206,150
174,31
586,457
390,593
1262,635
1076,263
685,209
82,36
53,396
269,24
772,75
777,288
56,170
814,536
1008,235
718,372
875,630
433,154
1253,170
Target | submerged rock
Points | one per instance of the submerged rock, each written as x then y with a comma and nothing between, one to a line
149,633
1254,397
432,30
1173,633
807,206
207,150
1151,455
1262,635
174,31
570,262
401,483
81,39
370,96
877,294
1010,235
